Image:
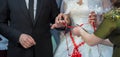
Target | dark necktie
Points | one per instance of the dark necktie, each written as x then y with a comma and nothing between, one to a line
31,8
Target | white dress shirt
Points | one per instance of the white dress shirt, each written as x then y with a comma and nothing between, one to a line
35,6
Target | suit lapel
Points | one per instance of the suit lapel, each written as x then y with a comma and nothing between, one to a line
23,6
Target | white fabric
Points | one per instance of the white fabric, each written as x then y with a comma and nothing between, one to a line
35,6
79,15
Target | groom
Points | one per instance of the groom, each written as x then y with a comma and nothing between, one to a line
28,31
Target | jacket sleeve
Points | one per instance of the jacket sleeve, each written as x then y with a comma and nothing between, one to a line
10,33
54,11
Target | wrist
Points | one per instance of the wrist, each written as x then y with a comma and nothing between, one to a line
82,30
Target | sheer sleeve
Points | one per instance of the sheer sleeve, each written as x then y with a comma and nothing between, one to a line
100,7
95,5
106,5
103,7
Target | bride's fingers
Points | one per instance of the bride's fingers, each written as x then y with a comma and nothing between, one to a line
67,21
59,20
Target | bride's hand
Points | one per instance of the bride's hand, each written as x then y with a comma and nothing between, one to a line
92,18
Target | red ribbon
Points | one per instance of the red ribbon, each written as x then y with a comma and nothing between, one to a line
76,52
93,23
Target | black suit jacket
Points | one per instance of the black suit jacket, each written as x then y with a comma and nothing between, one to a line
15,20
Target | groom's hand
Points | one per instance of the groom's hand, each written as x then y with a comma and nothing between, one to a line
26,40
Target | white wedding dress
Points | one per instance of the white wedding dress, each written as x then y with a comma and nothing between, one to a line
79,15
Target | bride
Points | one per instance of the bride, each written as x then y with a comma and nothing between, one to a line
74,46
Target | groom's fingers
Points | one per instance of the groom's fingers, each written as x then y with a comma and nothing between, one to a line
53,26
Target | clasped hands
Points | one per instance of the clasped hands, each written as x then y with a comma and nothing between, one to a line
76,30
64,18
26,41
60,19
